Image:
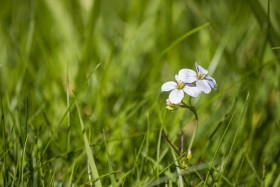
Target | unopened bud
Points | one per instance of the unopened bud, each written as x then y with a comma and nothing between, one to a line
189,156
170,106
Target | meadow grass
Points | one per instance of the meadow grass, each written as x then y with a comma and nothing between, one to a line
81,101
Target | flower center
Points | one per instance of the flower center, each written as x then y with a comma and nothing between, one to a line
180,85
201,76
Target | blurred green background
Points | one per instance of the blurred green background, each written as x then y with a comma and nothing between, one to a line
111,58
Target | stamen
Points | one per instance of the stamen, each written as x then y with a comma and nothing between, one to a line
201,76
180,85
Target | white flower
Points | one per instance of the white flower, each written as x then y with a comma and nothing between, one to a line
202,80
178,88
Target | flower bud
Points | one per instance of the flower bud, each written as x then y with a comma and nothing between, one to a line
189,156
170,106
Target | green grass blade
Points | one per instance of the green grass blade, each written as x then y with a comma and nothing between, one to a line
68,108
277,181
263,19
178,169
91,161
189,33
252,167
71,176
218,149
112,177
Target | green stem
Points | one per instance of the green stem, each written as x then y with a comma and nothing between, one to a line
193,109
195,129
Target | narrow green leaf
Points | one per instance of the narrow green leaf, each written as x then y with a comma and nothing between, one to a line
91,161
218,148
189,33
112,177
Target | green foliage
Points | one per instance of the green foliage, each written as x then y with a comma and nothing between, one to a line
111,58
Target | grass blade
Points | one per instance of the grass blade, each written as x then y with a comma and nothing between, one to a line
91,161
193,31
218,148
112,177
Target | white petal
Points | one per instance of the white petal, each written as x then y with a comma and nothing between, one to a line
200,70
191,90
168,86
168,102
177,77
203,86
211,81
176,96
187,75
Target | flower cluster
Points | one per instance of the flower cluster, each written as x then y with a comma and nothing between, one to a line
189,82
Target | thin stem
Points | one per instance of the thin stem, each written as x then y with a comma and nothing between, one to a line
166,138
195,129
176,152
191,108
181,142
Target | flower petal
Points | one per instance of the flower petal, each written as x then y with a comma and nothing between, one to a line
203,86
177,78
211,81
176,96
191,90
200,70
168,102
168,86
187,75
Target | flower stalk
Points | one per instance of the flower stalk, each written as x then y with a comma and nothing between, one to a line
191,83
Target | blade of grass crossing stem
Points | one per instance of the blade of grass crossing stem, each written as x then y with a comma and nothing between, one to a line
88,151
218,148
178,168
112,177
68,108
